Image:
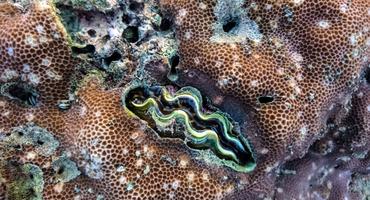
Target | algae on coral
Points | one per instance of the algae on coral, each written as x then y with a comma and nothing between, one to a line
30,134
27,185
66,170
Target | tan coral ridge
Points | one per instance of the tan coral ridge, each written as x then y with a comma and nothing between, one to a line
288,63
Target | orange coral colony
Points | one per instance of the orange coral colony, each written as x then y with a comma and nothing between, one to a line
261,87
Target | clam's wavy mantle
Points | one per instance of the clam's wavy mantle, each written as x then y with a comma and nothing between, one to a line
204,127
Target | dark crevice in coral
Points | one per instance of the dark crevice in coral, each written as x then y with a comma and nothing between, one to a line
166,24
136,6
106,38
114,57
40,142
32,192
20,133
174,62
126,19
84,50
367,76
265,99
229,25
60,170
131,34
17,147
23,93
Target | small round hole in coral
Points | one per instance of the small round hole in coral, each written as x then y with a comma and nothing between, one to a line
60,170
106,38
20,133
131,34
126,19
40,142
136,6
265,99
92,33
114,57
229,25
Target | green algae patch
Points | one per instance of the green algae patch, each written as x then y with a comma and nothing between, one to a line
32,135
361,185
87,5
71,24
27,184
65,169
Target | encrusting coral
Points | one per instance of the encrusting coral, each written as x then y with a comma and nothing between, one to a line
288,63
118,154
279,89
101,152
34,53
336,163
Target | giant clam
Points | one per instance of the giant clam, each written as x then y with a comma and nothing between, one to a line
204,126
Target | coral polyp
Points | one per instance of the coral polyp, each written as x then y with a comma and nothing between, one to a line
204,129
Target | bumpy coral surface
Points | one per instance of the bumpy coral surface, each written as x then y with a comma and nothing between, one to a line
118,156
334,165
184,99
288,63
34,51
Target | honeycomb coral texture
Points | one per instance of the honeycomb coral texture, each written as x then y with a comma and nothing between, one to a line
278,105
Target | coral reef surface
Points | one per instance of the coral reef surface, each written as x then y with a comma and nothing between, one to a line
184,99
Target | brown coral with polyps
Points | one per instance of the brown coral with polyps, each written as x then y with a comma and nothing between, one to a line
264,78
95,149
34,53
288,63
119,156
336,166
